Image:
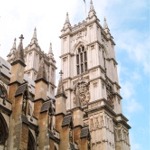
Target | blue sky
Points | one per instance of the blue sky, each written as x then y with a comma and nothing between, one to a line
129,23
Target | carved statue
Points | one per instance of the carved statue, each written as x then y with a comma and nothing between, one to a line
3,92
24,106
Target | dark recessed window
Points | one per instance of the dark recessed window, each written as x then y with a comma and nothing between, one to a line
3,130
81,60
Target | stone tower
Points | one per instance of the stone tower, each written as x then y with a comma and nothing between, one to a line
33,56
90,81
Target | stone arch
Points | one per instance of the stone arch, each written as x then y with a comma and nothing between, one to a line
3,130
75,47
31,141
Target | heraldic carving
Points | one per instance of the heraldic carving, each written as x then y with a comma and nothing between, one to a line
81,92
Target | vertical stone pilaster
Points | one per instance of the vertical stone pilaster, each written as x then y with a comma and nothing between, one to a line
64,132
43,138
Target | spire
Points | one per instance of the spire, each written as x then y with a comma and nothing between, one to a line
20,46
19,53
67,18
67,22
41,72
50,50
14,44
60,89
92,10
13,49
34,38
34,34
105,26
91,6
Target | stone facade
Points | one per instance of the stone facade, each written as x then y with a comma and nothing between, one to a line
84,114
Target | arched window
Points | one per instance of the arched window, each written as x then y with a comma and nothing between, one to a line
81,60
55,148
3,130
31,142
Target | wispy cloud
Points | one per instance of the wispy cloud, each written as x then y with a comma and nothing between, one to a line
136,48
129,83
131,104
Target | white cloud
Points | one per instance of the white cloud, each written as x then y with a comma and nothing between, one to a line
128,90
137,48
133,106
129,83
23,16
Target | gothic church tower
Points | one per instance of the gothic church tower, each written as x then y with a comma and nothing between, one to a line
90,81
33,55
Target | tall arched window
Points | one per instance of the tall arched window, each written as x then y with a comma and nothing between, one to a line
31,142
3,130
81,60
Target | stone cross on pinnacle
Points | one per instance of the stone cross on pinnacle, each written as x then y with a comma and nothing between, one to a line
21,37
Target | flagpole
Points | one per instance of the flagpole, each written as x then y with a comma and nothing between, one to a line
85,8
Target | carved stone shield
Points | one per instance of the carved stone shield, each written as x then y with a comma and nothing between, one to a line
81,93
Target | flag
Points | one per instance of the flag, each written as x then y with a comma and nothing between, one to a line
85,6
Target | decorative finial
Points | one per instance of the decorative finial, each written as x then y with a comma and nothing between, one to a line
34,34
67,22
20,46
21,37
92,10
34,38
61,73
50,46
60,89
106,29
67,18
19,53
50,49
91,5
105,24
14,45
12,51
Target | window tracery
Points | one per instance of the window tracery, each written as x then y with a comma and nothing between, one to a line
81,60
110,93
